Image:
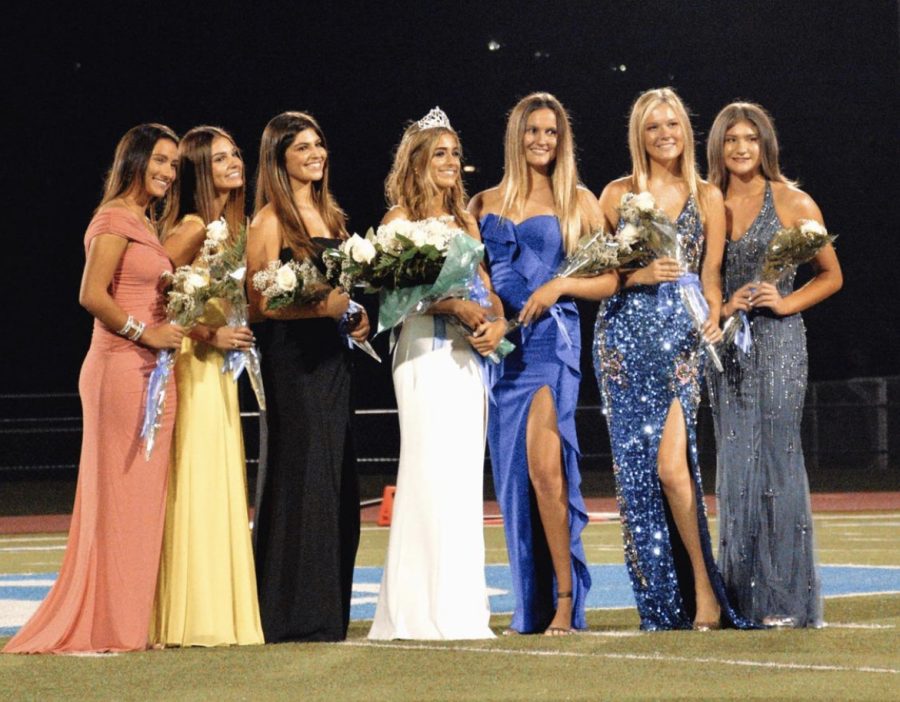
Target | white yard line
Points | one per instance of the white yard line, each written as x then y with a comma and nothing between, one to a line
654,657
29,539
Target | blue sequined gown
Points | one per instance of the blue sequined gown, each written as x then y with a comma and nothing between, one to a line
646,354
522,257
765,524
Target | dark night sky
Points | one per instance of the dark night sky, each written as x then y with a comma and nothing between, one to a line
78,76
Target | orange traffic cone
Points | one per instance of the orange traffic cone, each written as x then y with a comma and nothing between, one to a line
387,505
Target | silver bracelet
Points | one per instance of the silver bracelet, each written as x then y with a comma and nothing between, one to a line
128,328
138,330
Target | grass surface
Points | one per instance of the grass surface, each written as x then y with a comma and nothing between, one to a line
855,657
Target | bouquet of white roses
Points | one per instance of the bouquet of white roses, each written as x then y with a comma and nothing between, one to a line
351,262
600,252
302,283
291,283
186,299
789,248
656,236
227,266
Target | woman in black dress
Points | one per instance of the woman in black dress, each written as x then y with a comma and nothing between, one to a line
307,525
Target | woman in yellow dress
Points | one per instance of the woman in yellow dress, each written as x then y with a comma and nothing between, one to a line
206,595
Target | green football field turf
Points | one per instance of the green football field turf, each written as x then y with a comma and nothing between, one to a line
855,657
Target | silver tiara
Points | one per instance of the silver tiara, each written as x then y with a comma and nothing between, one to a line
436,118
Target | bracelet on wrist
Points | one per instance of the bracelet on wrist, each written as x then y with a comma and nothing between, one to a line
127,328
138,331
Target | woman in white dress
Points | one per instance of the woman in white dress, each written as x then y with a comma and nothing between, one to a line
434,585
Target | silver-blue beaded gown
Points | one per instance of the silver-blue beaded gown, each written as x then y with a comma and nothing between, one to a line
765,523
522,257
647,355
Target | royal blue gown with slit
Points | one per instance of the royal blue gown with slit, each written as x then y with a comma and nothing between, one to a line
522,257
647,357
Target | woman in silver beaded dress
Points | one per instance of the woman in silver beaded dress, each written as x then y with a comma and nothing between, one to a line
648,362
765,524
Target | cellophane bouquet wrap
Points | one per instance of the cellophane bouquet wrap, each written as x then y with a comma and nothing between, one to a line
186,298
789,248
293,283
226,261
601,252
656,237
412,265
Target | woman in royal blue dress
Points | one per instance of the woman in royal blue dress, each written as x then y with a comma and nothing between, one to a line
648,363
765,523
529,222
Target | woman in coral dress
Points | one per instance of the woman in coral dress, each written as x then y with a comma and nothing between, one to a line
206,594
103,597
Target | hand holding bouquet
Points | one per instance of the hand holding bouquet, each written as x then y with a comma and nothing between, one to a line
294,283
227,267
186,299
655,237
789,248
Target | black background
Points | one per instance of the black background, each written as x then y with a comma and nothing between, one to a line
79,75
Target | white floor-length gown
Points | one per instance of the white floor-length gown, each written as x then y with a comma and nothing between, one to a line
434,584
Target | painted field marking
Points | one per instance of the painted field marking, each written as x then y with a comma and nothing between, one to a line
26,539
20,549
655,657
860,517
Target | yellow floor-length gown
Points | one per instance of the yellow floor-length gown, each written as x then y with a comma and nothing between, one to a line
206,595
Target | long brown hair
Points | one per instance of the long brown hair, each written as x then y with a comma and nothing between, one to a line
197,193
768,142
640,161
273,185
563,172
409,183
130,163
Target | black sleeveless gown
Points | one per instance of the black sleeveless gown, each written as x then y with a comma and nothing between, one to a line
307,525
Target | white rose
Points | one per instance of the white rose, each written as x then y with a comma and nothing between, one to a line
285,278
628,236
417,235
810,226
644,201
436,239
360,250
193,282
217,230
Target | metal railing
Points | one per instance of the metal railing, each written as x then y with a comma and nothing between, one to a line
853,423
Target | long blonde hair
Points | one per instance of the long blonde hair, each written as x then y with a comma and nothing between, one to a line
640,161
273,185
768,143
563,172
409,183
129,166
197,193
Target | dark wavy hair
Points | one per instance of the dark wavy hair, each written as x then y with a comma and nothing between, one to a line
130,164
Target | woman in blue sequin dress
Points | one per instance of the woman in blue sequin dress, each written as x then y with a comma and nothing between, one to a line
648,363
765,523
528,223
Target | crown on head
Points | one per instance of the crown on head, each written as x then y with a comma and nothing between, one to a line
435,118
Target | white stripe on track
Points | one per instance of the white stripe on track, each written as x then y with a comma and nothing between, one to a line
26,539
656,658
